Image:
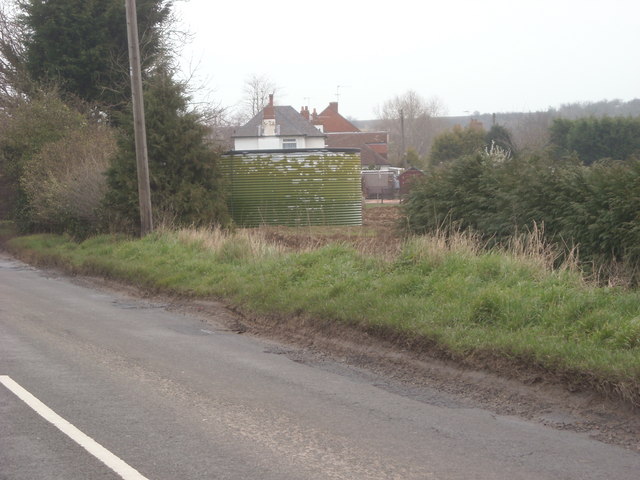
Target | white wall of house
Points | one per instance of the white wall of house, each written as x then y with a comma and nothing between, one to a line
315,142
277,142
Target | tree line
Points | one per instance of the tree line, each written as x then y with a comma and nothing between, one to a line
67,156
425,121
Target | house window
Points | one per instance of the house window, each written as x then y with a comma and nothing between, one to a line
289,143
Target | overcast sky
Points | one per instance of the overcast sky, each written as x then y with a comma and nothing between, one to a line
474,55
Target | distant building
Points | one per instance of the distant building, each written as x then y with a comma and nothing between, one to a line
341,133
407,178
276,128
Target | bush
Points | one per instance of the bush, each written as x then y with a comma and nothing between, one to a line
65,182
457,143
594,208
26,129
593,139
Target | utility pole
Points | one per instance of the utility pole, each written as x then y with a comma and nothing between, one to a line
404,157
142,159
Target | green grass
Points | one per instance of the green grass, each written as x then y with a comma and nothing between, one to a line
7,230
378,204
473,306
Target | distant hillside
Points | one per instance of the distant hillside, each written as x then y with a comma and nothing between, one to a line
612,108
530,129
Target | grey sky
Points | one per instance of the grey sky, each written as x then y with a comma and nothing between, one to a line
489,56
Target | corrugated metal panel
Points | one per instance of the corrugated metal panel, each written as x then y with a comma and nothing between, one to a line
294,188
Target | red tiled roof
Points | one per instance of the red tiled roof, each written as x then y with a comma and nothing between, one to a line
368,156
357,139
341,133
332,121
372,149
381,148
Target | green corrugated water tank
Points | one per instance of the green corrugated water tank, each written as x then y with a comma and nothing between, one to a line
294,187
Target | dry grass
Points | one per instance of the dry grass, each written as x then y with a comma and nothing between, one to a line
253,242
532,248
381,237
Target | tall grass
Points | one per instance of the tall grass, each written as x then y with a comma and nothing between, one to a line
506,306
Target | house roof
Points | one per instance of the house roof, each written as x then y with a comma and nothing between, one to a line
332,121
368,156
358,139
290,121
372,145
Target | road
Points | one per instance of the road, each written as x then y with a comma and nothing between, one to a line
174,397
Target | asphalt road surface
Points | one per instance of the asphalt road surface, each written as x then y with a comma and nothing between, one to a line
165,395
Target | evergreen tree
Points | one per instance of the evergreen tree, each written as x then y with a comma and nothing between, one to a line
184,177
499,136
457,143
594,138
81,45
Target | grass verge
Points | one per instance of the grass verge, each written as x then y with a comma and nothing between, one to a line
7,231
506,310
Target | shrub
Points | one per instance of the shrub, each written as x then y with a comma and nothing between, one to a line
65,182
594,208
457,143
593,139
26,129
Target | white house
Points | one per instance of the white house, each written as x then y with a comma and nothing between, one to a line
278,128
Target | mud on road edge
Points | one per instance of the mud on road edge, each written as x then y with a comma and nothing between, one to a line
522,392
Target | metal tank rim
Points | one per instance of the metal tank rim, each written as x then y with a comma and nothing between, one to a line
294,150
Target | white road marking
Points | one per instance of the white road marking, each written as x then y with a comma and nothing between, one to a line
90,445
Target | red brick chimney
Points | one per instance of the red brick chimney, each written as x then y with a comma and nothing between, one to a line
305,113
269,111
333,106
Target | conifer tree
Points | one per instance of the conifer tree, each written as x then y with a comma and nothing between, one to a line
185,181
81,45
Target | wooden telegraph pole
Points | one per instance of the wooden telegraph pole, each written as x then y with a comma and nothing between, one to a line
142,159
402,145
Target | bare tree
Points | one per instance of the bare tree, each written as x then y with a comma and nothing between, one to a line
412,122
531,130
256,94
13,77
